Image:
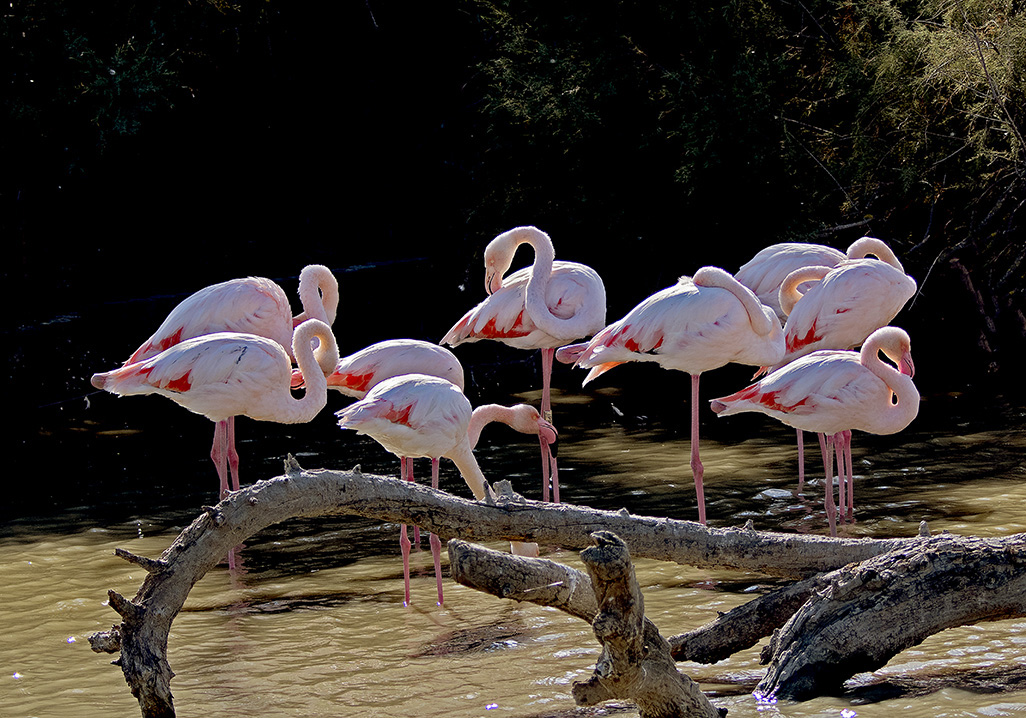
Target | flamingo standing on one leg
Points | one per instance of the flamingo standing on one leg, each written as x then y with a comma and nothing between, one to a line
250,305
834,392
415,415
697,325
229,374
544,306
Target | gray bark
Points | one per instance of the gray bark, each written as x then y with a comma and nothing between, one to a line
635,663
871,611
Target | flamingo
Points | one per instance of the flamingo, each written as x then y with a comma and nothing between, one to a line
250,305
544,306
835,392
697,325
851,301
358,373
766,271
416,415
228,374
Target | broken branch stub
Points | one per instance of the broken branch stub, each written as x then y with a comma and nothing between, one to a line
635,663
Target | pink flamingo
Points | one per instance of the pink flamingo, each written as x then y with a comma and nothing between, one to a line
416,415
228,374
544,306
250,305
766,271
358,373
849,303
835,392
695,326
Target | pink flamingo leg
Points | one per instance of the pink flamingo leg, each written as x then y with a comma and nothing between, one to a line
545,468
555,481
851,475
404,546
406,469
406,472
233,455
696,463
546,412
842,495
546,400
436,543
828,488
218,454
801,460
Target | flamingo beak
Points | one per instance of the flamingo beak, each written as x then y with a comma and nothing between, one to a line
297,379
907,367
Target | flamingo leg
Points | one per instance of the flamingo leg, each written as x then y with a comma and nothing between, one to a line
233,455
546,412
545,467
405,467
842,495
406,471
801,460
851,475
696,463
218,454
546,400
436,543
828,498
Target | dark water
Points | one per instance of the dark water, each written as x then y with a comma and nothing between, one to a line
316,627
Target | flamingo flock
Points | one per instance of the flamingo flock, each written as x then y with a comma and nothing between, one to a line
795,311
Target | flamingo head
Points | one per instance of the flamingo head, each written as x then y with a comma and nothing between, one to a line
297,379
498,256
905,365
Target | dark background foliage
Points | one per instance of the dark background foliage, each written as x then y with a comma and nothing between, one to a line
150,149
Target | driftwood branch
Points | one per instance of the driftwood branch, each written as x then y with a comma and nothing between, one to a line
870,612
142,635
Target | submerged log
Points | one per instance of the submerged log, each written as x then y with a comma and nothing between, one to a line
871,611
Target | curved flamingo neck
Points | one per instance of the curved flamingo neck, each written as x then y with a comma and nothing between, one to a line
893,343
316,396
318,293
866,246
483,416
789,294
716,277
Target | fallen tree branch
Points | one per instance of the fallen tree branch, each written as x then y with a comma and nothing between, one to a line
870,612
148,616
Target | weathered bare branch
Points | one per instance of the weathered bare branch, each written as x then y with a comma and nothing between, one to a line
871,611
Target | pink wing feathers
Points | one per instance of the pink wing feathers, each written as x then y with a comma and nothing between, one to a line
217,375
252,305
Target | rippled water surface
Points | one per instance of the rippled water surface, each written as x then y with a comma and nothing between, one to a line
314,625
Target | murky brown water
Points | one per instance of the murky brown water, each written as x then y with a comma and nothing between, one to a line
316,625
